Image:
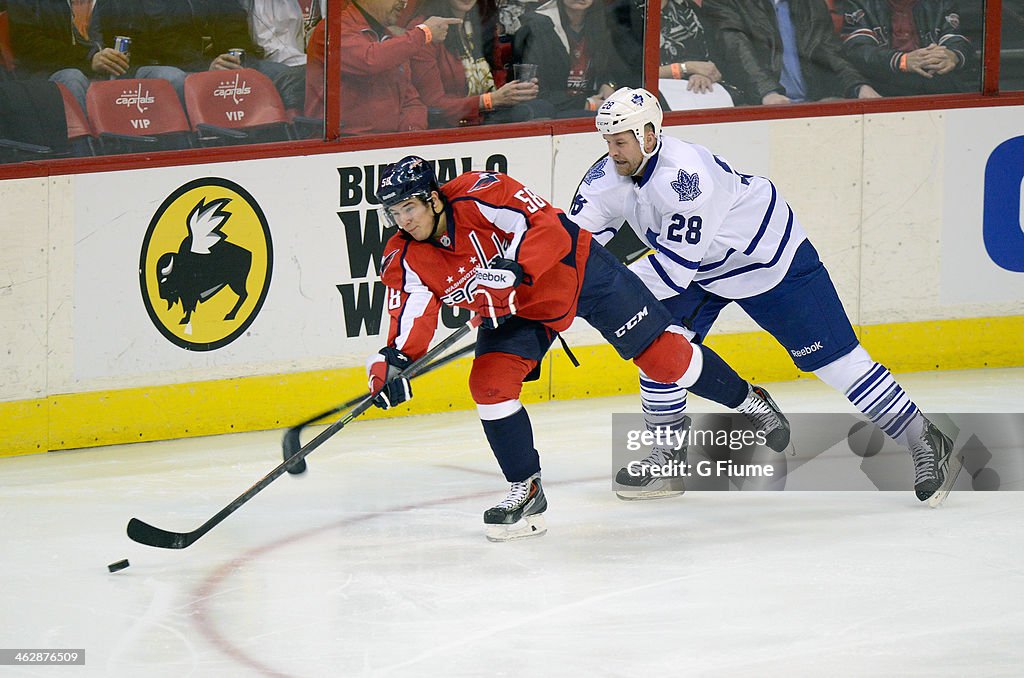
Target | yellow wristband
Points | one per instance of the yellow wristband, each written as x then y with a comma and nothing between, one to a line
486,101
677,72
426,31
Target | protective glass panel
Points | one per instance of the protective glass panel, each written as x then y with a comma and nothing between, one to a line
126,76
793,51
1011,58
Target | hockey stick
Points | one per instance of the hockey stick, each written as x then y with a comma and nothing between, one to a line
149,535
290,443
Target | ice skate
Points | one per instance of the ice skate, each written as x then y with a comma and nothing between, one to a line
935,466
520,514
649,485
762,411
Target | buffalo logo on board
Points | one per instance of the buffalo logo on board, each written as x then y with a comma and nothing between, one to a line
206,264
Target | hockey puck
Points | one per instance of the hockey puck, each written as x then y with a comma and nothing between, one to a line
119,565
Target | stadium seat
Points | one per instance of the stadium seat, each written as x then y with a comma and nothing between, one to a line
80,132
43,143
137,115
235,106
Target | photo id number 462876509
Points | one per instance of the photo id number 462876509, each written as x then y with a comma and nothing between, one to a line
19,657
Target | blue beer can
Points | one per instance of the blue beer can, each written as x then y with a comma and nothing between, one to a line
123,44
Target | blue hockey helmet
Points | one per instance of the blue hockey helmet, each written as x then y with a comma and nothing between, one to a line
410,177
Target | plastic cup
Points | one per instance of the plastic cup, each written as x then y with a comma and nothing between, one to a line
524,72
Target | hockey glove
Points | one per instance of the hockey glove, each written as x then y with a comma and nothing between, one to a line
388,387
495,295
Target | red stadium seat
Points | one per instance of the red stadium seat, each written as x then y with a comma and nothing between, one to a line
235,106
137,115
80,132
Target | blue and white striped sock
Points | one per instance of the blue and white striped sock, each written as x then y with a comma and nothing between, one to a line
877,394
873,390
664,405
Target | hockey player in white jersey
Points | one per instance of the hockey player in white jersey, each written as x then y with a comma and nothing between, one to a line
720,236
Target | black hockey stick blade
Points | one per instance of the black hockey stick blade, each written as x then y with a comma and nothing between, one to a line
149,535
144,533
291,442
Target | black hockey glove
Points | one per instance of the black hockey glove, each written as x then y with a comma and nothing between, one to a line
495,295
383,369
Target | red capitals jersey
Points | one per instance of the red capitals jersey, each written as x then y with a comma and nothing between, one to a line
489,215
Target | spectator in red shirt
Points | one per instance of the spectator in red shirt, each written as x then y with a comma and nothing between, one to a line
377,94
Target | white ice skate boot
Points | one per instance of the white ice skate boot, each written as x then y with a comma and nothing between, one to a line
935,466
520,514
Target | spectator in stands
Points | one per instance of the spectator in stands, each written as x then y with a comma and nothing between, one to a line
909,46
171,38
577,65
455,80
40,32
783,51
510,14
281,28
687,52
377,94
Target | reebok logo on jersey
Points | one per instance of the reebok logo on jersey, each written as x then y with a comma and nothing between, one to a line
631,323
495,278
807,350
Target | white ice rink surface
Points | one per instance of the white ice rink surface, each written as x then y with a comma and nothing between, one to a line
374,562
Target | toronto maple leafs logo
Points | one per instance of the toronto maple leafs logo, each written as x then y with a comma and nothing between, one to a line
637,99
687,186
484,180
595,172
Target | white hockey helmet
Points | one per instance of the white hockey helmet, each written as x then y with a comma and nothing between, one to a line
630,109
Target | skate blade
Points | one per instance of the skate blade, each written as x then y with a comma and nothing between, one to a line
658,489
955,464
530,526
643,495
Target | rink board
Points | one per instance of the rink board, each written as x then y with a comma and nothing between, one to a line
899,205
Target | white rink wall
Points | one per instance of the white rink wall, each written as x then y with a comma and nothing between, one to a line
893,202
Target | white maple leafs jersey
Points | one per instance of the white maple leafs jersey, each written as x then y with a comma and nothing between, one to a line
730,233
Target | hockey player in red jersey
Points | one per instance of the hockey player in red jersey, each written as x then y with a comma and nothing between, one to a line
487,243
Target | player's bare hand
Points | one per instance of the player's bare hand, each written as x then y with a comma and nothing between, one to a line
699,84
108,60
226,62
775,99
438,26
